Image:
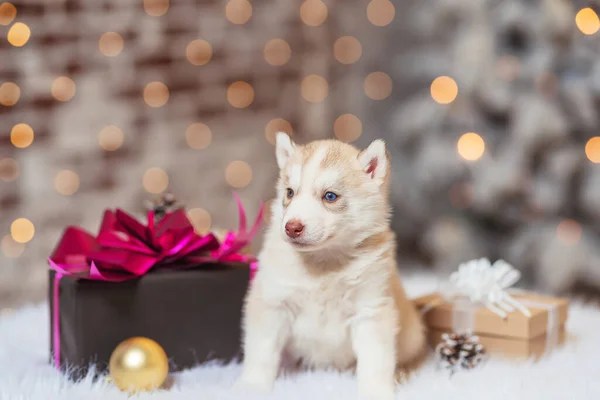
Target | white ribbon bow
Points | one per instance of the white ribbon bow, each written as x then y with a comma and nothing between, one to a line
484,283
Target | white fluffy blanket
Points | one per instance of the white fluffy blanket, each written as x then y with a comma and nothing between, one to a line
572,372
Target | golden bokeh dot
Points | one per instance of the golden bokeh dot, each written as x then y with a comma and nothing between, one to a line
66,182
347,127
111,44
381,12
198,52
10,248
444,90
19,34
314,88
110,138
200,220
156,8
347,49
155,180
22,230
240,94
378,85
9,169
8,12
471,146
238,11
156,94
238,174
592,149
587,21
313,12
568,231
10,94
198,136
21,136
63,88
277,52
277,125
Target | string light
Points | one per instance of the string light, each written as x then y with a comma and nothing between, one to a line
111,44
155,180
587,21
156,94
156,8
22,230
198,136
66,182
21,136
592,149
198,52
200,220
314,88
471,146
110,138
313,12
347,50
347,128
277,125
444,90
568,232
63,88
19,34
277,52
238,174
240,94
381,12
378,85
8,12
238,11
10,94
10,248
9,169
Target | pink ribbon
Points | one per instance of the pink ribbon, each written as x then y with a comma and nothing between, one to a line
125,249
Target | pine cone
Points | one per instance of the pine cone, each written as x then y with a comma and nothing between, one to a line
460,350
163,205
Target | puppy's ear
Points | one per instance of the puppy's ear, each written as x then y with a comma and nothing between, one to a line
374,161
284,148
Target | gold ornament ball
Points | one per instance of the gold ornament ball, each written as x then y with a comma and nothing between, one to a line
139,364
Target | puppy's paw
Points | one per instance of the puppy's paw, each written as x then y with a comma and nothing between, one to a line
378,391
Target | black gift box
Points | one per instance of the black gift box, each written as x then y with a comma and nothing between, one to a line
194,314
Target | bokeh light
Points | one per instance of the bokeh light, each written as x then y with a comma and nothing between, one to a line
240,94
22,230
9,169
238,11
66,182
238,174
155,180
347,49
200,220
277,125
313,12
21,136
111,44
156,94
587,21
314,88
19,34
568,232
10,248
198,136
63,88
199,52
381,12
347,128
471,146
378,85
444,90
277,52
156,8
8,12
10,94
110,138
592,149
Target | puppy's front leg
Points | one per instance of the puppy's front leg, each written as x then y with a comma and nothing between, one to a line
373,340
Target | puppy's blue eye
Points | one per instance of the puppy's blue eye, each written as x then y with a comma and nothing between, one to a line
330,196
290,193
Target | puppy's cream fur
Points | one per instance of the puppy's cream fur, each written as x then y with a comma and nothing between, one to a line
331,298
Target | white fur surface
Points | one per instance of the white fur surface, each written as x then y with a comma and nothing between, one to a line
571,372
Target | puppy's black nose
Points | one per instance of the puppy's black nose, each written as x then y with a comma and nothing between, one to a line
294,228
